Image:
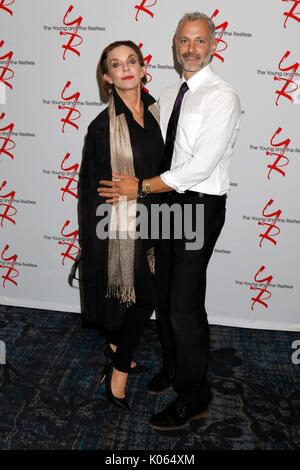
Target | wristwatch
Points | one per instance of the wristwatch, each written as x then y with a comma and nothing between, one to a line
142,193
147,187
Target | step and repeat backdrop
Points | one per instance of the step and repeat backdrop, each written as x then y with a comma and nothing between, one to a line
49,52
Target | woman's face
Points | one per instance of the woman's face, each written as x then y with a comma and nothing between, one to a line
124,69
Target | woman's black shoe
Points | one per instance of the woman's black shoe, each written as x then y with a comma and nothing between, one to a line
103,373
109,354
118,402
138,369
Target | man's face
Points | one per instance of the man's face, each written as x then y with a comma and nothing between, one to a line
194,46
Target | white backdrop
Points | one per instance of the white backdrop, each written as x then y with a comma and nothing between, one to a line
40,53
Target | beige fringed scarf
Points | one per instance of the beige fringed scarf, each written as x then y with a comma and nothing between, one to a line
121,245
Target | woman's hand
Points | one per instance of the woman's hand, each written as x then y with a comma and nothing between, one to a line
125,186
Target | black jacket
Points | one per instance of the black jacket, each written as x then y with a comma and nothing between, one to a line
149,160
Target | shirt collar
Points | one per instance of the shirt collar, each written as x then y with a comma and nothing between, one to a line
196,80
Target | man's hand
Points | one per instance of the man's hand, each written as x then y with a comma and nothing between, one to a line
113,190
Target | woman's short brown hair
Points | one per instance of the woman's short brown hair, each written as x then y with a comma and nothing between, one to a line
103,66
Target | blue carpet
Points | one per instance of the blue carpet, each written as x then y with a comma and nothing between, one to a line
50,397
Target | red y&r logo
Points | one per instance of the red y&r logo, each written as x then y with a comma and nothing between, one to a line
268,235
222,27
147,61
70,179
145,8
4,6
9,211
70,245
280,156
11,272
5,149
69,119
262,290
71,45
292,14
288,81
5,68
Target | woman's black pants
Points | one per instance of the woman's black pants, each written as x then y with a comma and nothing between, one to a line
127,338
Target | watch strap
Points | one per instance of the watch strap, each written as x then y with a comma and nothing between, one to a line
140,186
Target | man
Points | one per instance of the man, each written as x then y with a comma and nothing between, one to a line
199,120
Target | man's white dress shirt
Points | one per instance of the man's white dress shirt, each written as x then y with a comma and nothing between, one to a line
206,133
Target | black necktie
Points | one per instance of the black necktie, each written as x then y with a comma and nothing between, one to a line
173,121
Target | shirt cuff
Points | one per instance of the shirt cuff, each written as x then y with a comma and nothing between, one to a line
168,180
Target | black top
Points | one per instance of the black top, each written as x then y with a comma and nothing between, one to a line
147,143
149,160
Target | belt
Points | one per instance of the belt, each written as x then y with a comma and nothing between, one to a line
196,194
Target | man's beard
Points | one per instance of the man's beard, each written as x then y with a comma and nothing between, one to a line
195,66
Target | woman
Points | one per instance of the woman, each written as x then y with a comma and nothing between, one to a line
117,286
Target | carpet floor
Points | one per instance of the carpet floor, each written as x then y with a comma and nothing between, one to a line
50,396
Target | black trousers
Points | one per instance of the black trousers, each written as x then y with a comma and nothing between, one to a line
127,338
182,321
